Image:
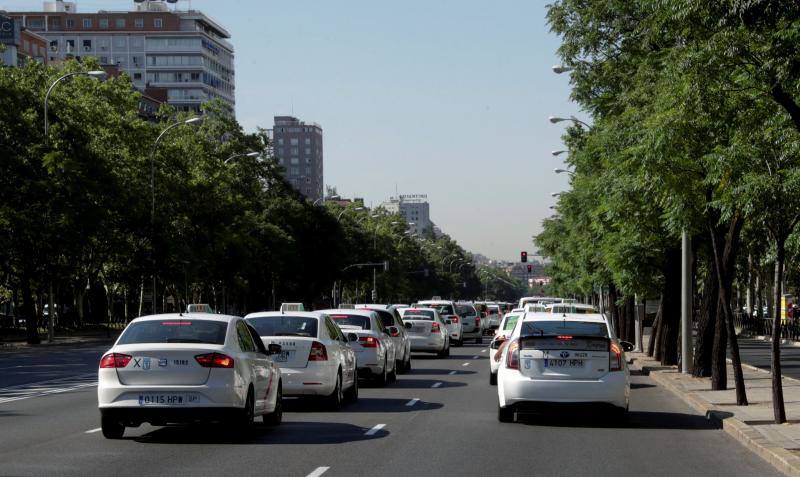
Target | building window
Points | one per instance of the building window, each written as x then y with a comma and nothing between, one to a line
294,141
308,151
35,23
70,46
194,76
103,60
103,23
135,61
280,151
119,23
294,170
70,23
54,45
280,141
87,23
158,22
137,76
87,45
138,22
308,160
120,42
295,161
308,141
294,151
137,43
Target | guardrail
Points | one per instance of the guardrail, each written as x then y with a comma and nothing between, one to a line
790,329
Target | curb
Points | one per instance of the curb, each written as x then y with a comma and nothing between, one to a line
14,347
780,458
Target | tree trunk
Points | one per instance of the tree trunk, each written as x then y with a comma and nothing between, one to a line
706,323
28,310
778,407
629,331
613,309
719,366
725,261
651,345
671,307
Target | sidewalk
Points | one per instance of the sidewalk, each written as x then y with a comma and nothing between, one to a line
751,425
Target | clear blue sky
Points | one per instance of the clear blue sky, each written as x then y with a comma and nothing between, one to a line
448,98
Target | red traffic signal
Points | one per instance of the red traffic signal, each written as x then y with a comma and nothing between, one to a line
523,257
530,268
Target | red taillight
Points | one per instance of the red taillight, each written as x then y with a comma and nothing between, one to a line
214,360
512,356
477,321
563,337
434,327
176,323
115,360
369,342
318,352
614,357
454,319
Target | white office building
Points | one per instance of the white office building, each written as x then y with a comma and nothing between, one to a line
414,208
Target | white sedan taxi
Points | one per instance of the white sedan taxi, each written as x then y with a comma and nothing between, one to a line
316,358
565,360
178,368
507,325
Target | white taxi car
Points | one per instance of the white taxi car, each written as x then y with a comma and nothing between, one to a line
447,311
175,368
502,333
316,358
393,325
569,359
427,330
375,350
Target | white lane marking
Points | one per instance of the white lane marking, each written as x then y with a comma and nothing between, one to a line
436,385
483,351
465,364
375,429
44,388
412,402
475,357
92,431
452,373
318,471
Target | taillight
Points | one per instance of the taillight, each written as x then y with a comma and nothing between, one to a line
115,360
434,327
318,352
614,357
214,360
367,342
477,321
512,356
454,319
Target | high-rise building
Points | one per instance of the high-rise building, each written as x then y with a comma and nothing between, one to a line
298,147
20,44
185,52
414,208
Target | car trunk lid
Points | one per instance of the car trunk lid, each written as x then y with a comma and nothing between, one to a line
564,357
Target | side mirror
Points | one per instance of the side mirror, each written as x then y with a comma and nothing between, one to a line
407,326
273,348
352,337
626,346
393,331
448,322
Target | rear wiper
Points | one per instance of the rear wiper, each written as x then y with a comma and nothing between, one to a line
183,340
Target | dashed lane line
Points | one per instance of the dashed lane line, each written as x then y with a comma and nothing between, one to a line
451,373
375,429
92,431
318,471
412,402
436,384
483,351
465,364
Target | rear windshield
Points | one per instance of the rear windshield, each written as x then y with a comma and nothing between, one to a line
511,322
351,320
418,315
285,325
175,331
465,310
387,318
561,327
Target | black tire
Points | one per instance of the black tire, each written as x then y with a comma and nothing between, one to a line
407,365
505,414
247,415
275,417
383,378
112,429
335,398
458,343
351,395
479,340
393,375
399,367
445,352
492,379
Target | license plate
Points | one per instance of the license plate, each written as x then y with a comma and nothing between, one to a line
417,329
166,399
284,356
563,363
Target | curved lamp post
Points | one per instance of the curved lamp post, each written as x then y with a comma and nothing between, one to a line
246,154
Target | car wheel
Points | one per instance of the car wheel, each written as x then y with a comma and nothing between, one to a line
492,379
407,365
458,343
393,375
275,417
351,395
383,378
444,352
505,414
399,367
112,429
337,396
479,340
248,414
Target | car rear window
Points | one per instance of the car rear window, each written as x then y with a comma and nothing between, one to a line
465,310
387,318
175,331
285,325
351,320
418,315
564,328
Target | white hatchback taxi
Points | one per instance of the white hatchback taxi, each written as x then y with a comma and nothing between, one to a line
565,360
178,368
316,358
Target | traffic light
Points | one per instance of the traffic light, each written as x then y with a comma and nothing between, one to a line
530,268
523,256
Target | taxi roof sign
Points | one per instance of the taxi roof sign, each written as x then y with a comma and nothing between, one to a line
292,307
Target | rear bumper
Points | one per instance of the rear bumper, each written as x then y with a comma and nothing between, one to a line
221,390
161,415
313,380
514,389
424,343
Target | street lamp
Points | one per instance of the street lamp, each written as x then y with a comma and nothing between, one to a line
558,170
194,120
558,69
557,119
247,154
555,194
559,152
98,74
356,209
330,197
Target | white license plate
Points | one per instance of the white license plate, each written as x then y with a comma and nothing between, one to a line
284,356
173,399
418,329
563,363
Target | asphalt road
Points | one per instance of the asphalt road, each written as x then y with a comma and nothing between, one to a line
757,353
438,420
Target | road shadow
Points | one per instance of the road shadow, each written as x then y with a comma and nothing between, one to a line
435,372
642,385
364,404
426,383
288,433
634,420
